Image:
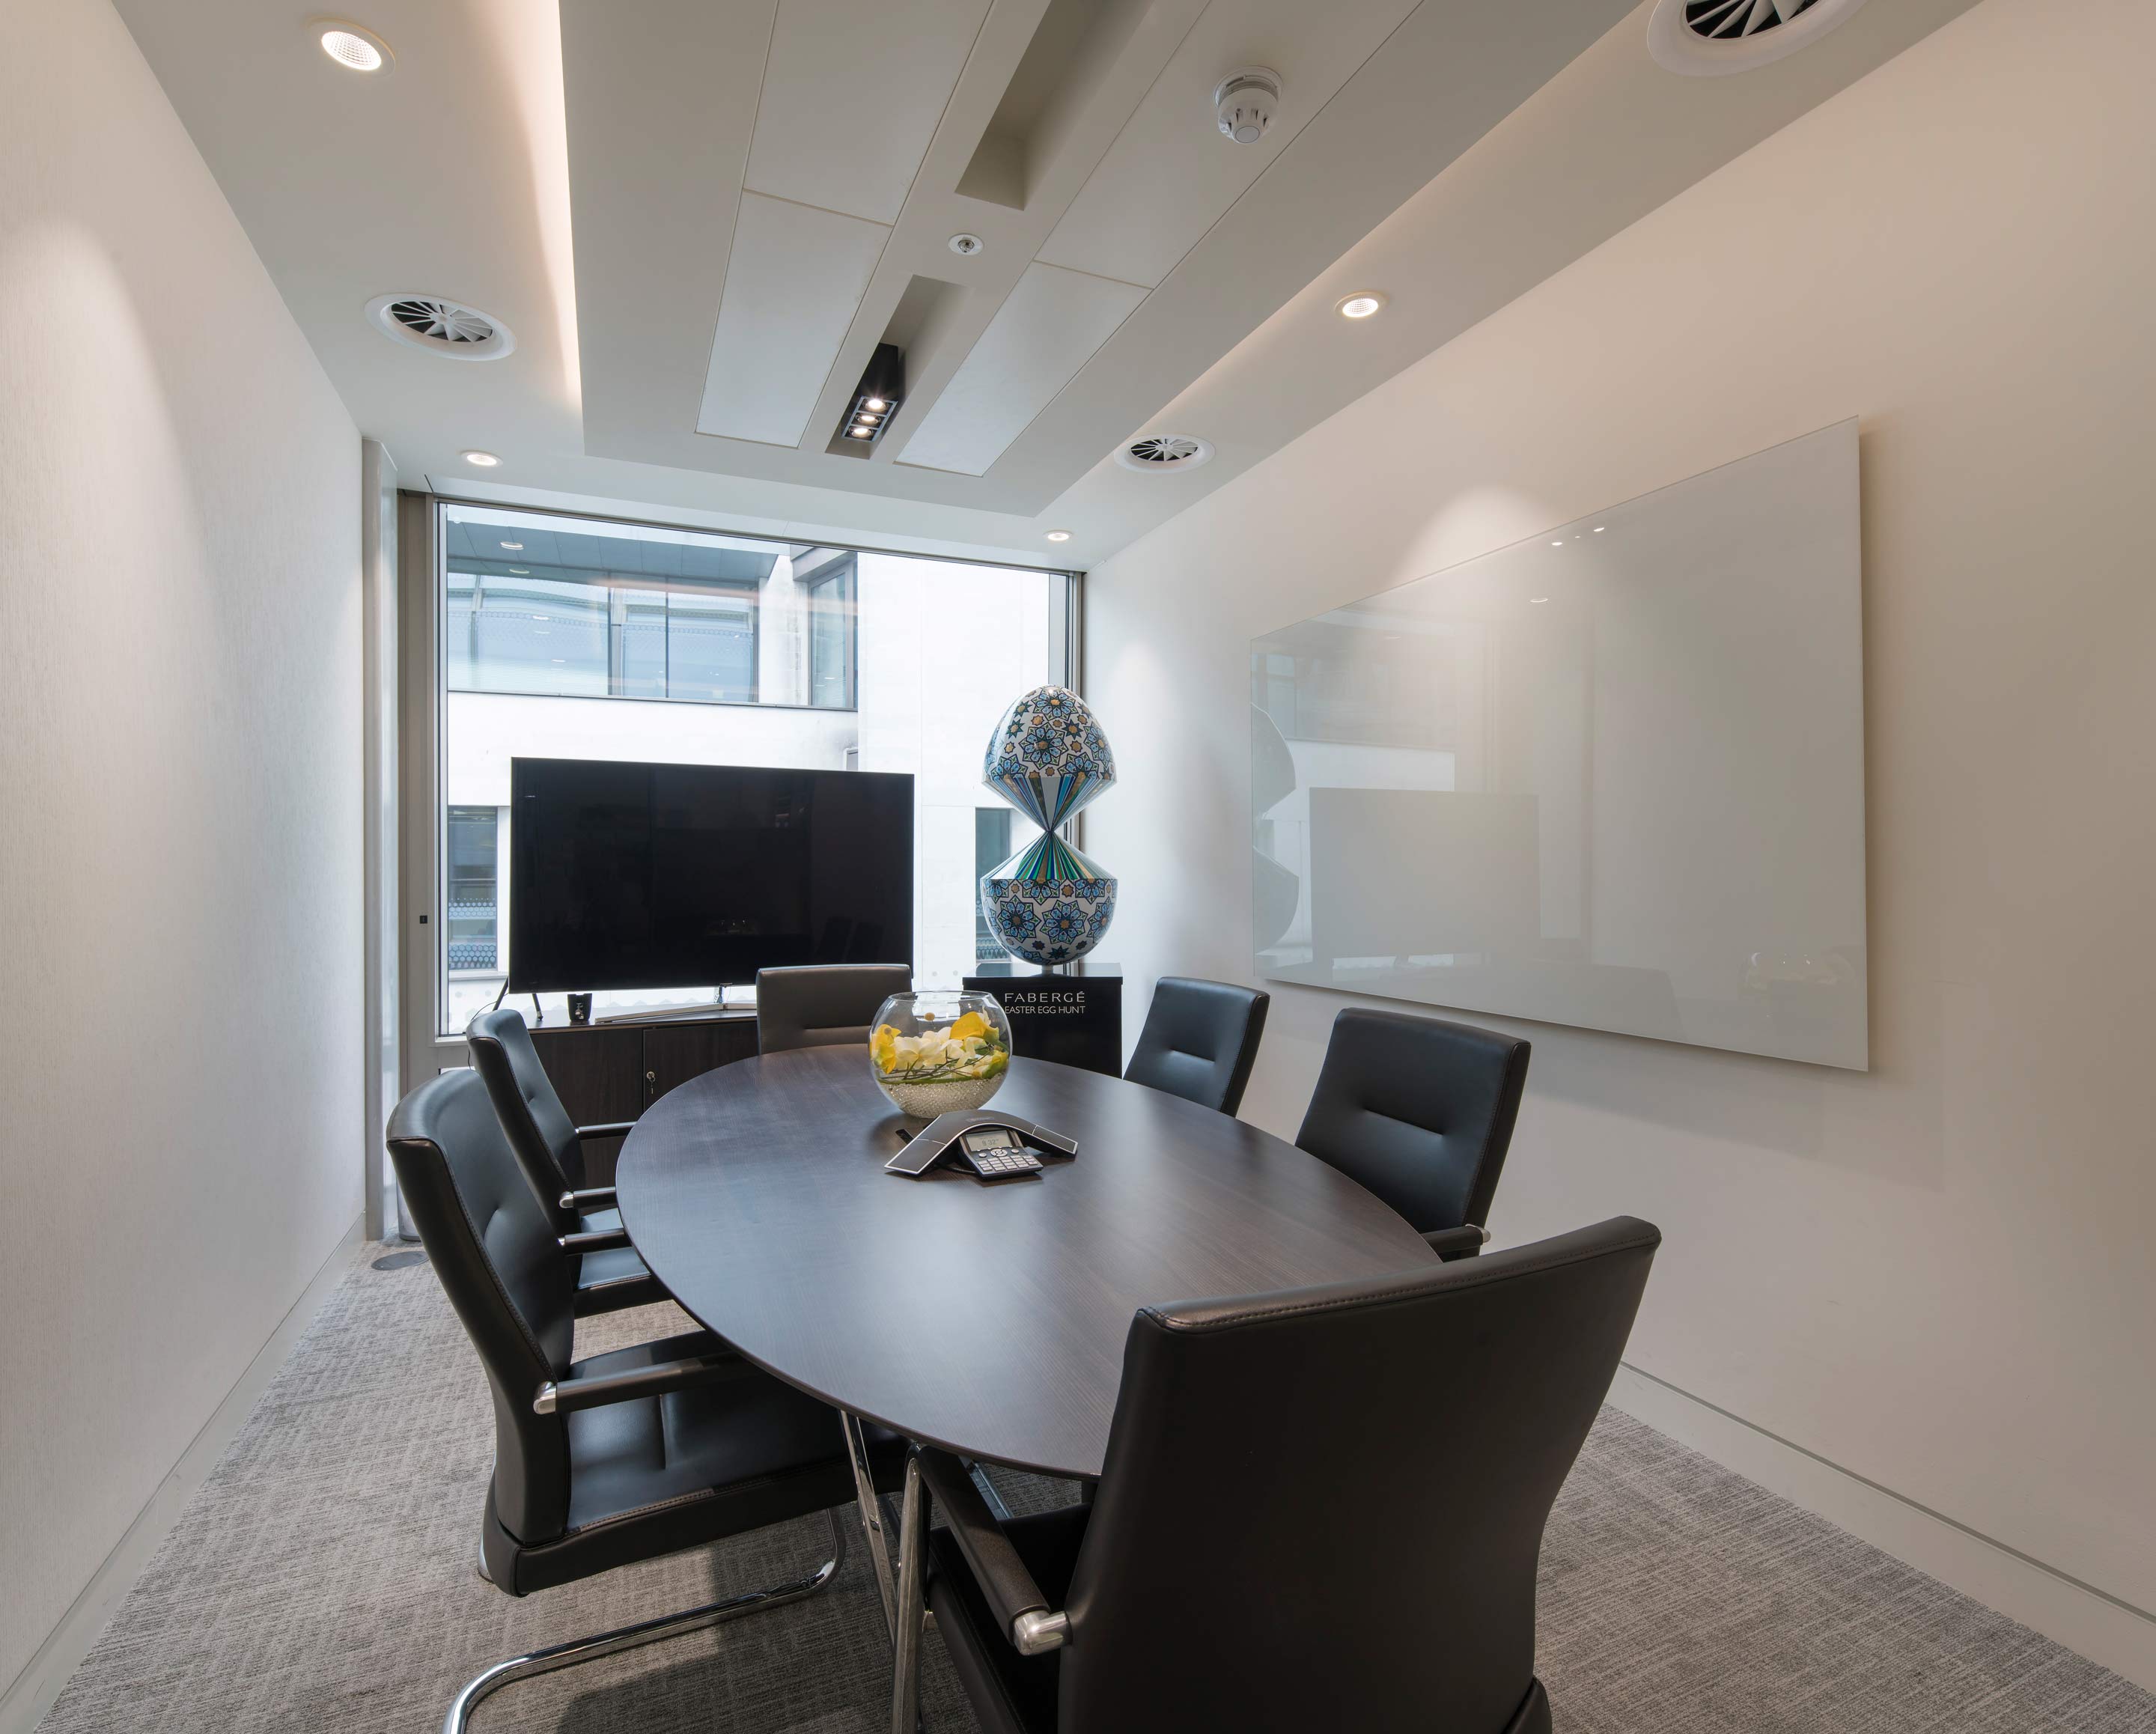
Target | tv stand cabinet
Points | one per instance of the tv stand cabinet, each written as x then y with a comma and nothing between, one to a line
614,1072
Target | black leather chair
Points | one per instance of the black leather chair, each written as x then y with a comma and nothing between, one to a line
549,1148
1420,1112
1364,1560
823,1005
1200,1041
621,1457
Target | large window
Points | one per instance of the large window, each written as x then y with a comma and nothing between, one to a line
576,638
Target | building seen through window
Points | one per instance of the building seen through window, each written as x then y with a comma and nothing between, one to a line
992,848
472,923
832,631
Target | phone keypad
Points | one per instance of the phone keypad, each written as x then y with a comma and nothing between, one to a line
994,1164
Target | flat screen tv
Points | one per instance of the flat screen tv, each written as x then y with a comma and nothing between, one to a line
633,875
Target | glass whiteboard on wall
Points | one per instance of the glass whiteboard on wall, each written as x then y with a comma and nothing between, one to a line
1611,775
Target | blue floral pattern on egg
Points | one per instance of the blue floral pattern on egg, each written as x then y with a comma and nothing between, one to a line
1049,903
1048,756
1030,923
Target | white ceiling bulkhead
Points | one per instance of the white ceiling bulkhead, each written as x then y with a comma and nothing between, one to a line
702,218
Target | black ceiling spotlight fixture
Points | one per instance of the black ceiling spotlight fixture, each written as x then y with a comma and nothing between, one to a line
876,398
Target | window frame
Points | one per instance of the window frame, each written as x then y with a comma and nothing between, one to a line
844,570
427,1048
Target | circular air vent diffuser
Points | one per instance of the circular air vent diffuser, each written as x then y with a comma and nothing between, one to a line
446,327
1157,453
1703,37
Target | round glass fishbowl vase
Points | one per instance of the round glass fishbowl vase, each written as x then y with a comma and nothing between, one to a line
939,1052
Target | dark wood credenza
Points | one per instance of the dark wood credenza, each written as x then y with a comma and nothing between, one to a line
614,1072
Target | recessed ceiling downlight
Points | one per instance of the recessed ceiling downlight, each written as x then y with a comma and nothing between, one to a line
1705,39
485,460
1059,535
1361,304
446,327
1158,454
352,46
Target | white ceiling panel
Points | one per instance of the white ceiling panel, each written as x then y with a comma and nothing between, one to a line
851,96
1170,174
793,280
1040,338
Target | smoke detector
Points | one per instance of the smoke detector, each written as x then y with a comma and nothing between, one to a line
446,327
1244,102
1704,38
1157,453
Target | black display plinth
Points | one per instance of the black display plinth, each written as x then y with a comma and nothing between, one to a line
1072,1015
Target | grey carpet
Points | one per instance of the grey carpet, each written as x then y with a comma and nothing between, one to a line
322,1580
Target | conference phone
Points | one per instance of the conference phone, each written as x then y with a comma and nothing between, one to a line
983,1143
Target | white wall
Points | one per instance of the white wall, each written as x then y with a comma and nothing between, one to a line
1937,1275
180,804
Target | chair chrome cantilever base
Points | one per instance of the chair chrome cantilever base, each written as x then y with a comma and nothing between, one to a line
650,1631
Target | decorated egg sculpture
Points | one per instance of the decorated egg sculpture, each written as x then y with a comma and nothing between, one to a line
1049,903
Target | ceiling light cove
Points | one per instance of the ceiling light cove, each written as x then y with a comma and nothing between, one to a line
1361,305
352,46
485,460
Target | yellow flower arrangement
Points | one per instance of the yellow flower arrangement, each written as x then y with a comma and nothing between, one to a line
969,1048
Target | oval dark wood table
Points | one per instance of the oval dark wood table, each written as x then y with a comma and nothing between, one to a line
987,1319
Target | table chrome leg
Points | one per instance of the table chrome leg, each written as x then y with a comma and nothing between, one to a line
912,1570
864,1495
649,1631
